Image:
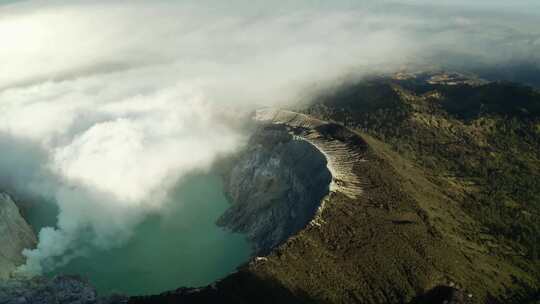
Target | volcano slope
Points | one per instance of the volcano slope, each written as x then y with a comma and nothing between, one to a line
408,189
434,196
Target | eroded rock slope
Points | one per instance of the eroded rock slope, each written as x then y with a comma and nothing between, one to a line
276,186
15,235
291,164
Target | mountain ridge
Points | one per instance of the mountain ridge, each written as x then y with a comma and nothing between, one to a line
448,209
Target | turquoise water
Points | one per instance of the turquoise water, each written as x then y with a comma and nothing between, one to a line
183,248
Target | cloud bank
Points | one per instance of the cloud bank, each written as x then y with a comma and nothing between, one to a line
105,105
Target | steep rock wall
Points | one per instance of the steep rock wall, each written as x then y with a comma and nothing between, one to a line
292,163
276,187
15,235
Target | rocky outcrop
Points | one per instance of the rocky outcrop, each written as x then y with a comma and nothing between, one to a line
341,147
276,187
15,235
58,290
292,162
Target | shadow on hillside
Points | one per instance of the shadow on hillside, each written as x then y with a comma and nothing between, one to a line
238,288
441,294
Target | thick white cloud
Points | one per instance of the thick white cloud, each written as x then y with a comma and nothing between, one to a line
106,104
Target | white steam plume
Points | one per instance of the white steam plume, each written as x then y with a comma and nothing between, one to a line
106,104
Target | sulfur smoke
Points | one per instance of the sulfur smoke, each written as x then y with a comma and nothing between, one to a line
105,105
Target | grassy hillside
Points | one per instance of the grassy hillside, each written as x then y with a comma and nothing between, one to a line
479,145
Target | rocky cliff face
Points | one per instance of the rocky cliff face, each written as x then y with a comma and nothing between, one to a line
15,235
292,162
276,186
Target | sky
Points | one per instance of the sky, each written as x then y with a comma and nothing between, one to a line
105,105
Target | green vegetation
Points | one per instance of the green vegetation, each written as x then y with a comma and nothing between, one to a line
479,144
